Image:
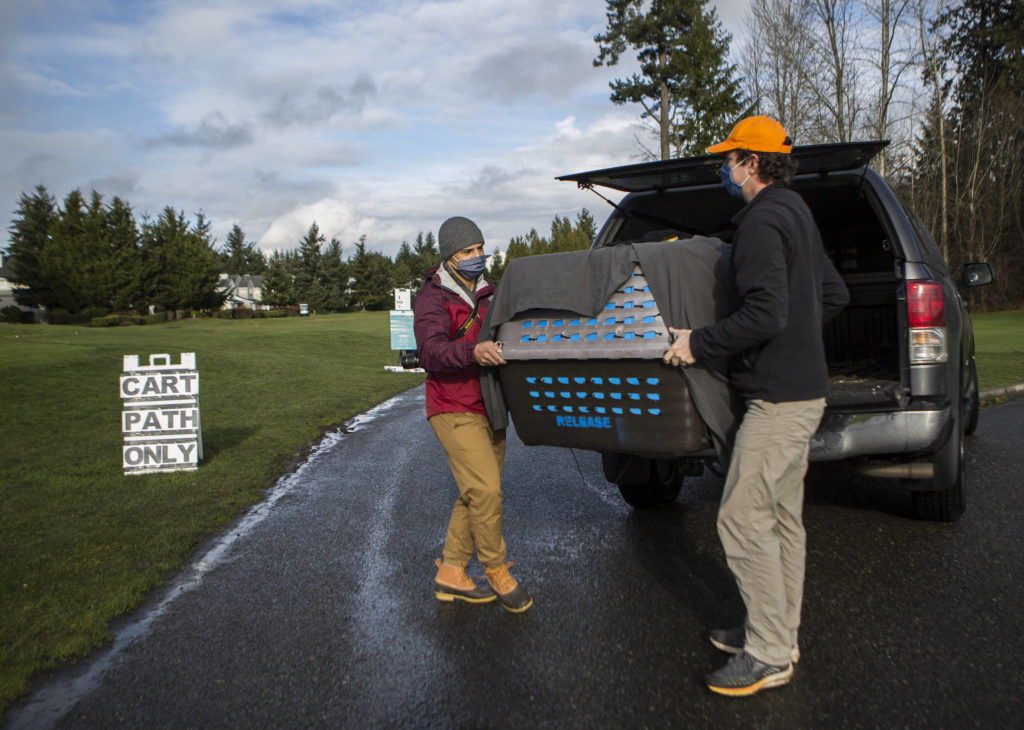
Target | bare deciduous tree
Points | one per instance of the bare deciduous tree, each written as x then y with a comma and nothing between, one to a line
890,50
773,64
932,68
834,75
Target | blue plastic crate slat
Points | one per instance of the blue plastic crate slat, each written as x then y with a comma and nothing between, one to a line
555,335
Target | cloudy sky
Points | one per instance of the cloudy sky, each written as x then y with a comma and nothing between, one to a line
375,117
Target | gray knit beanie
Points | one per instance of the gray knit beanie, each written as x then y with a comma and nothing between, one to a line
455,234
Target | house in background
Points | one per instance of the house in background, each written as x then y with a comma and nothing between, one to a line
241,290
8,287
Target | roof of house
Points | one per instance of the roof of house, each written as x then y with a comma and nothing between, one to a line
233,281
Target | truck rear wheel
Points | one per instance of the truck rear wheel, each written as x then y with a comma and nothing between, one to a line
947,503
662,486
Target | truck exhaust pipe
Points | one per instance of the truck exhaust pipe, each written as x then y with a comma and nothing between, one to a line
890,470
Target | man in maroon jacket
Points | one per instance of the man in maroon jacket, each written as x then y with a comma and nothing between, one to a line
448,312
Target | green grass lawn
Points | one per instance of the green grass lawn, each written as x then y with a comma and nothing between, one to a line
999,346
81,543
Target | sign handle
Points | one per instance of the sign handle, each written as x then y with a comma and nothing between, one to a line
154,358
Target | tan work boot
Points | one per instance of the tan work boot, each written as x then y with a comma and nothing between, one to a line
512,595
452,582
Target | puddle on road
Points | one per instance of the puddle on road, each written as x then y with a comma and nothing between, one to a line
47,705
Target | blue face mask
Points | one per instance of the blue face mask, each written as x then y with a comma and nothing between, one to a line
731,186
472,268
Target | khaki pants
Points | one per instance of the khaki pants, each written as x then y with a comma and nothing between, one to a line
476,455
760,521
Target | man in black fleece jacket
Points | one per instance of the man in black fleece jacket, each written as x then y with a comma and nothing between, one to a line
788,290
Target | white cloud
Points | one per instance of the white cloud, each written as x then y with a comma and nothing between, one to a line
376,118
334,218
35,83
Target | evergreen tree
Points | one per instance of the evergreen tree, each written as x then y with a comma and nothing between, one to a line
565,236
206,254
569,236
985,38
241,256
69,261
123,262
968,184
309,286
87,258
496,267
373,286
335,277
426,257
179,267
404,267
536,243
685,85
709,98
234,250
561,234
586,227
378,289
29,236
517,248
255,261
279,281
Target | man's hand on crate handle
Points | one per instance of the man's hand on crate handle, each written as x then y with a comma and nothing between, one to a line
678,352
488,353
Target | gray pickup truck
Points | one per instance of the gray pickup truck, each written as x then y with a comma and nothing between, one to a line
903,381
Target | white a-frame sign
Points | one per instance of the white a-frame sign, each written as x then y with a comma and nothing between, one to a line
160,417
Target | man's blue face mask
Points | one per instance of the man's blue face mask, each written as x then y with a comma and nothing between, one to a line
731,186
472,268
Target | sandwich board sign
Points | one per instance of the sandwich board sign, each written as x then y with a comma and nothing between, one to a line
160,415
402,337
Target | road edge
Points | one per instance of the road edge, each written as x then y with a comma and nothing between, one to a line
1005,392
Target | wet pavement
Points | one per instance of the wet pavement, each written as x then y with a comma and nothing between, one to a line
316,609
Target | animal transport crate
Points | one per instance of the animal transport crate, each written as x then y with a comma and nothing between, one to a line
599,382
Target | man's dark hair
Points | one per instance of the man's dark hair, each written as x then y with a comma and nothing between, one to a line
774,167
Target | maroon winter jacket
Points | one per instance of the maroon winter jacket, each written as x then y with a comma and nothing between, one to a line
453,377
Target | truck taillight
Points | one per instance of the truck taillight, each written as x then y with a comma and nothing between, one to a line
926,307
926,316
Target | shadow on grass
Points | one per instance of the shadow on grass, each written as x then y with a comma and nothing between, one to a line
217,439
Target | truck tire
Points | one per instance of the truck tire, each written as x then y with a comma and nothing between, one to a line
663,485
947,503
971,406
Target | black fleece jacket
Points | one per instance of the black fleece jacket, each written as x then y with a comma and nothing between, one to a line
788,289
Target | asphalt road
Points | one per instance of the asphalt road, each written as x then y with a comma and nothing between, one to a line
316,610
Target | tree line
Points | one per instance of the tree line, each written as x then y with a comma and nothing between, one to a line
88,255
93,256
942,80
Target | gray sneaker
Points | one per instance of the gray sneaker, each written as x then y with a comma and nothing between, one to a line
731,641
744,675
